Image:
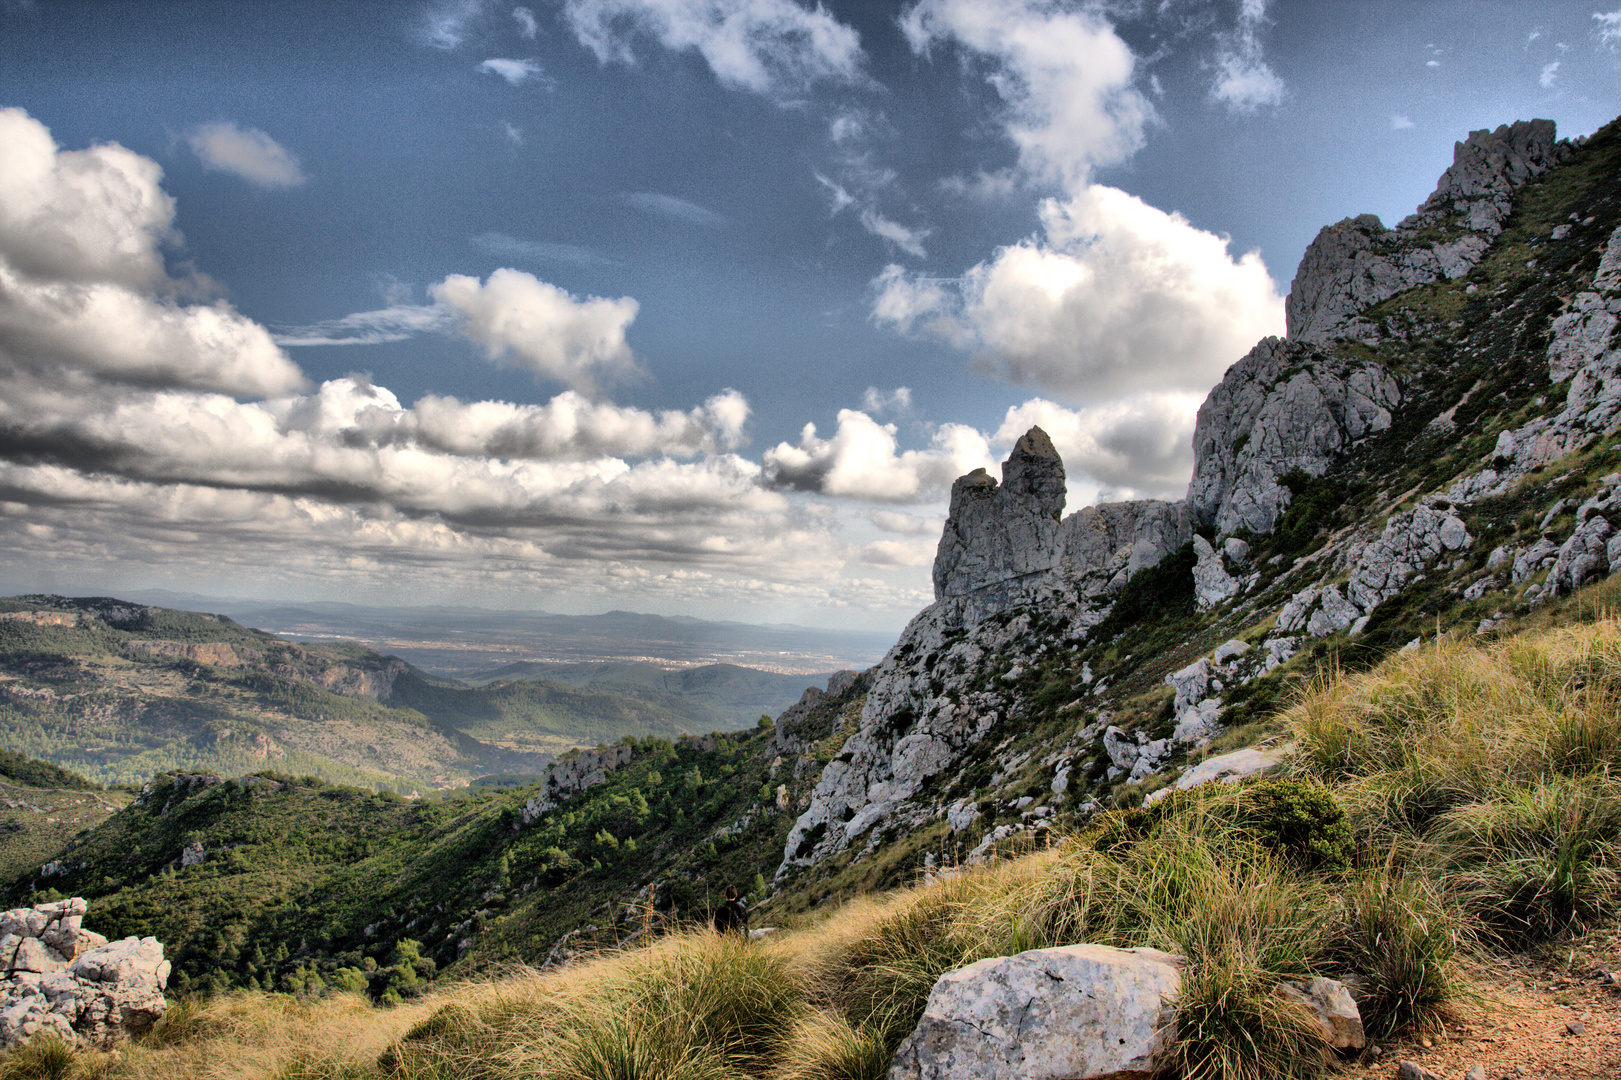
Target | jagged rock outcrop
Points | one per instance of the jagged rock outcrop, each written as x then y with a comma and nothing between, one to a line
1284,407
1004,550
1357,262
1020,589
1585,350
1000,538
1074,1012
63,980
573,773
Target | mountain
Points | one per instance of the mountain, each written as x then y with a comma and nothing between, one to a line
1429,450
730,695
464,641
1432,450
120,691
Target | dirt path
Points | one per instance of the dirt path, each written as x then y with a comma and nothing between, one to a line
1531,1023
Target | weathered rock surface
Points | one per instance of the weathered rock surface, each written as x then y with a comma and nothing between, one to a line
999,536
1212,584
927,703
572,774
1358,262
1225,768
1074,1012
63,980
1338,1018
1283,407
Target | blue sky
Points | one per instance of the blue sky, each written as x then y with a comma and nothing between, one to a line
531,305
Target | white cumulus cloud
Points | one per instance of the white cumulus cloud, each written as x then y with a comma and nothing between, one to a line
527,26
1134,447
1550,72
862,460
84,298
773,47
1063,74
246,152
1400,122
529,323
1118,297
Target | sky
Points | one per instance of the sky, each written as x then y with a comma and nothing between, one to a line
680,306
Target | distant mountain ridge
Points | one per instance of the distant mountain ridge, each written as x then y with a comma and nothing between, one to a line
464,641
119,691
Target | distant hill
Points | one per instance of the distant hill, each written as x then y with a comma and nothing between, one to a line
730,695
463,641
42,806
119,691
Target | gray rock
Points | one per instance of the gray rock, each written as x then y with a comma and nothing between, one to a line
1583,557
1410,544
1229,649
1358,262
1412,1070
1225,768
193,853
579,770
1533,560
1212,584
1282,407
1237,552
1335,613
1121,750
1337,1015
66,981
1074,1012
1190,683
998,535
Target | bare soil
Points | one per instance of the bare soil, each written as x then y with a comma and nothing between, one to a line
1533,1018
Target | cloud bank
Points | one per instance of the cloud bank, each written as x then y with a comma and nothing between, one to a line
143,424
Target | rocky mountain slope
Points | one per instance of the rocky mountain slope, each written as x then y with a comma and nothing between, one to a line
1430,448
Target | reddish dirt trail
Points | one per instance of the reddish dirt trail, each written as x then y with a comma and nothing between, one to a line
1530,1023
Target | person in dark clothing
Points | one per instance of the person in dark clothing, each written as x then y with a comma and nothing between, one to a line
732,917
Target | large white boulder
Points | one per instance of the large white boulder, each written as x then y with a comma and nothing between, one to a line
1049,1014
63,980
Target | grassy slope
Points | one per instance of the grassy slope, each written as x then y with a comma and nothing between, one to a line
1454,800
293,860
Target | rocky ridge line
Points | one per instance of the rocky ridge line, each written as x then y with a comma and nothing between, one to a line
1013,577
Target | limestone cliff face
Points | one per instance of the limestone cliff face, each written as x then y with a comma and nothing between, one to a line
1285,406
1358,262
1007,558
1000,539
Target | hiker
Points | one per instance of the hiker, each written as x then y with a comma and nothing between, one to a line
732,917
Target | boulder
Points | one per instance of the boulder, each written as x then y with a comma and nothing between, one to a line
69,982
1074,1012
1212,584
1226,768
